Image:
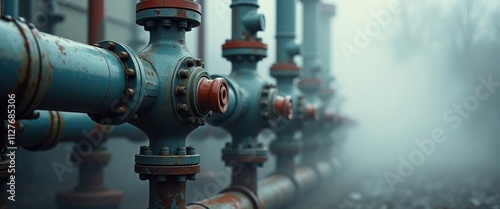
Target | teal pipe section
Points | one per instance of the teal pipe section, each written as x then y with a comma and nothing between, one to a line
254,101
51,128
51,73
286,146
11,8
327,13
310,83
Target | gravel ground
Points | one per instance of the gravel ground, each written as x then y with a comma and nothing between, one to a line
424,190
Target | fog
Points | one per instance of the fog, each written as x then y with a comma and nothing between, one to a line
419,79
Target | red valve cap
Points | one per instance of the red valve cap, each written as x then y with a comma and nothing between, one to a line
284,106
213,95
311,112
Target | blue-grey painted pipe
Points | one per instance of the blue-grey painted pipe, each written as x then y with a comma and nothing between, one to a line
53,127
11,7
285,31
327,12
52,73
310,42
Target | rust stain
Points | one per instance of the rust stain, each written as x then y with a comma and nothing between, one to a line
61,48
181,13
181,41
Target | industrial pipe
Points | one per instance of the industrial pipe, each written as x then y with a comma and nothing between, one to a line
163,91
286,146
184,100
52,127
96,22
254,101
309,83
275,191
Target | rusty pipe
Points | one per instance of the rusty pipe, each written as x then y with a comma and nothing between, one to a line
275,191
96,21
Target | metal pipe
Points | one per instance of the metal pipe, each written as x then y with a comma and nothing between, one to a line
309,83
275,191
255,101
52,127
96,21
201,33
327,13
185,99
11,8
286,146
53,73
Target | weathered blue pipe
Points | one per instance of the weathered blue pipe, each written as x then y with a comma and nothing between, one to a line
327,13
286,145
310,84
253,101
53,127
11,8
52,73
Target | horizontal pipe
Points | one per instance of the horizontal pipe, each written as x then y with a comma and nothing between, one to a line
54,73
54,127
275,191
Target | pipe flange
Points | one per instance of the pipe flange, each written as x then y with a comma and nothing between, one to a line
253,50
167,160
285,70
267,112
309,85
185,85
101,157
247,192
125,107
150,18
171,170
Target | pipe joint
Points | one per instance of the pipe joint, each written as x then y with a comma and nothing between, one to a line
254,22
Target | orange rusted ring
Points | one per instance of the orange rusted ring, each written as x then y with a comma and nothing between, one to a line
247,192
181,4
244,44
53,138
167,170
213,95
285,67
309,81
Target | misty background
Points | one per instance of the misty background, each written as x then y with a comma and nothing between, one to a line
396,87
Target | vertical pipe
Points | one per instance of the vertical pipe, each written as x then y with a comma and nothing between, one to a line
96,21
11,7
285,146
201,32
327,12
311,19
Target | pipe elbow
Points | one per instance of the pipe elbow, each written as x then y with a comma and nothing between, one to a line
293,49
254,22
